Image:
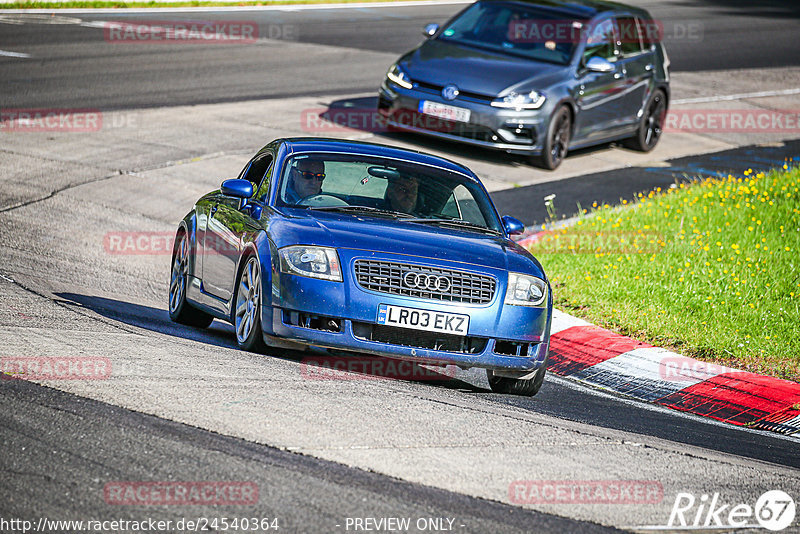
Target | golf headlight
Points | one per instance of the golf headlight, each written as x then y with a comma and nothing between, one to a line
397,76
524,290
314,262
518,101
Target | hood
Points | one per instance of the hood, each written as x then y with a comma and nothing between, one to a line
344,231
477,71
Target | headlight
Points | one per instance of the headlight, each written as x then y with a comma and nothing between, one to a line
314,262
396,75
532,100
524,290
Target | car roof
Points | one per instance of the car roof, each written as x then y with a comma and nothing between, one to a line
580,9
321,144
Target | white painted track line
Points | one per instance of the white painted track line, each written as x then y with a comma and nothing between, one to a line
281,7
6,53
740,96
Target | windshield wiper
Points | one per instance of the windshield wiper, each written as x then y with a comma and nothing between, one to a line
362,209
459,223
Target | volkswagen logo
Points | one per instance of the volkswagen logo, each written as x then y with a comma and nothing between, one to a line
450,92
426,282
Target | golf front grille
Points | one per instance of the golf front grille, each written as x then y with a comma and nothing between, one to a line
424,282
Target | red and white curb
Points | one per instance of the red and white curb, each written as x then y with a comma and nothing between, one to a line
611,361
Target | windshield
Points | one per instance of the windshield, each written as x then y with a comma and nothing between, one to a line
370,186
518,30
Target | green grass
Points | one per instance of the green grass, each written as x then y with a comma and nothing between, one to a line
711,270
92,4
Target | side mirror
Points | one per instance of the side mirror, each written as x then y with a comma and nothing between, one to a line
430,30
598,64
237,188
513,226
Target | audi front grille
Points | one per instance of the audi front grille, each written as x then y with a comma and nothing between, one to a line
424,282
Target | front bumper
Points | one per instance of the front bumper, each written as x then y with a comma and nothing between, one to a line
343,315
347,340
518,132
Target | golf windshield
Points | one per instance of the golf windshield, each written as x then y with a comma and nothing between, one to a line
516,29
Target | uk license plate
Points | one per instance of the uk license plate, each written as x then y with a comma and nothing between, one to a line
430,321
443,111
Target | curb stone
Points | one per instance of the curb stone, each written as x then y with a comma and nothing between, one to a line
611,361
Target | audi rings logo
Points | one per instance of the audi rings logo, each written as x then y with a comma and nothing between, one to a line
426,282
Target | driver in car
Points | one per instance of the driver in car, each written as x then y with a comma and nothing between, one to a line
305,180
401,194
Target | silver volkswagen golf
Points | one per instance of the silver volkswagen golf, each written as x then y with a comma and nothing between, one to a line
537,78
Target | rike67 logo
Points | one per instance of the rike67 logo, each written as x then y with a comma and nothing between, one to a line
774,510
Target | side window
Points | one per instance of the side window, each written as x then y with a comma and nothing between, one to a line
256,170
462,205
652,32
451,208
601,42
630,36
263,189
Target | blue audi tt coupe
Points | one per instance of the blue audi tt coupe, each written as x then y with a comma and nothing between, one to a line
365,248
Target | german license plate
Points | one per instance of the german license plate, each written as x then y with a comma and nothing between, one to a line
443,111
430,321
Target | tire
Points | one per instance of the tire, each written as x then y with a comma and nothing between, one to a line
180,311
650,125
515,386
246,309
556,144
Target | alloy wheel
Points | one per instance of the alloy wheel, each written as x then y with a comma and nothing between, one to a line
654,120
177,283
248,299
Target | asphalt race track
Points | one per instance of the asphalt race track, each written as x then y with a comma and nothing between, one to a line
79,73
185,405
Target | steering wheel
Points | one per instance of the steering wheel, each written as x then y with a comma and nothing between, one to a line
322,200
